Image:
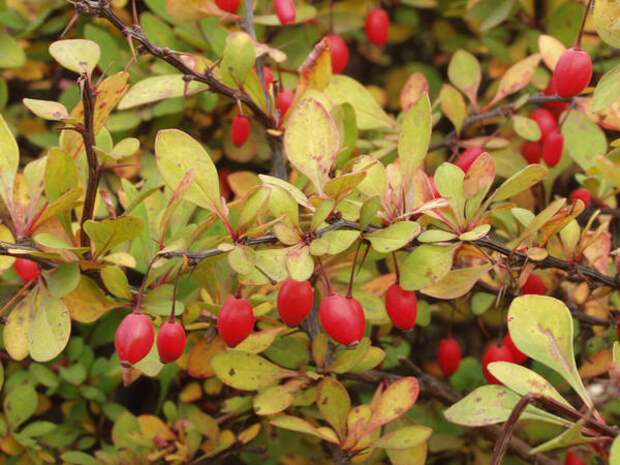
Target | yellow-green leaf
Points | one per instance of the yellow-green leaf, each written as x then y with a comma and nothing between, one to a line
46,109
9,160
107,234
404,438
79,55
16,329
426,265
415,135
393,237
456,283
518,182
334,403
245,371
516,78
453,106
155,88
464,72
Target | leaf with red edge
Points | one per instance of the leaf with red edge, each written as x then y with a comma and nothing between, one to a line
393,402
516,78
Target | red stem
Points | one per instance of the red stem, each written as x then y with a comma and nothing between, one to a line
350,289
583,24
330,289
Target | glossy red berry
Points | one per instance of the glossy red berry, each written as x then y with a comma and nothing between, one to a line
495,353
228,5
134,338
240,130
582,194
572,72
552,148
555,107
294,301
26,269
377,26
519,356
573,459
468,157
546,122
235,321
449,356
284,100
285,10
170,341
343,319
531,151
339,52
533,285
401,306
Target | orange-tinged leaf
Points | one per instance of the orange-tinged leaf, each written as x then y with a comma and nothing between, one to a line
301,426
414,88
596,365
191,392
316,71
551,49
393,402
199,359
152,426
87,302
516,78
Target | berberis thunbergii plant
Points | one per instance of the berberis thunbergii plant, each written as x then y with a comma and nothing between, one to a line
305,232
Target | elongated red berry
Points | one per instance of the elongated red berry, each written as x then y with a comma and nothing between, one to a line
343,319
170,341
519,356
235,321
495,353
572,72
26,269
377,26
531,151
468,157
582,194
533,285
573,459
401,306
339,52
134,338
228,5
284,101
294,301
546,122
240,130
285,10
449,356
552,148
555,107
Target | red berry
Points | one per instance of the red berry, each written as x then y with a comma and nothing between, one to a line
519,356
546,122
582,194
228,5
343,319
573,459
267,75
235,321
555,107
531,151
240,130
402,307
170,341
533,285
285,9
26,269
572,72
552,148
284,101
449,356
495,353
294,301
468,157
377,26
134,338
339,52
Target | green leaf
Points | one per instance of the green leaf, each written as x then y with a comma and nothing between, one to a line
477,233
176,153
343,89
542,328
242,259
297,194
9,160
340,186
571,437
415,136
20,404
79,458
453,106
11,54
79,55
436,235
526,128
281,203
276,398
614,451
334,403
292,423
245,371
607,90
156,88
238,59
339,241
50,328
605,16
518,182
404,438
491,404
61,174
312,141
456,283
299,262
346,359
159,301
116,282
63,279
393,237
321,213
583,140
426,265
492,12
368,212
38,428
464,72
449,182
16,329
107,234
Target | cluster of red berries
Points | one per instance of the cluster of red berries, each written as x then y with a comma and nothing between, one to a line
135,335
551,143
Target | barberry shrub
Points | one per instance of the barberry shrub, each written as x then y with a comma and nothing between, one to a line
292,232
